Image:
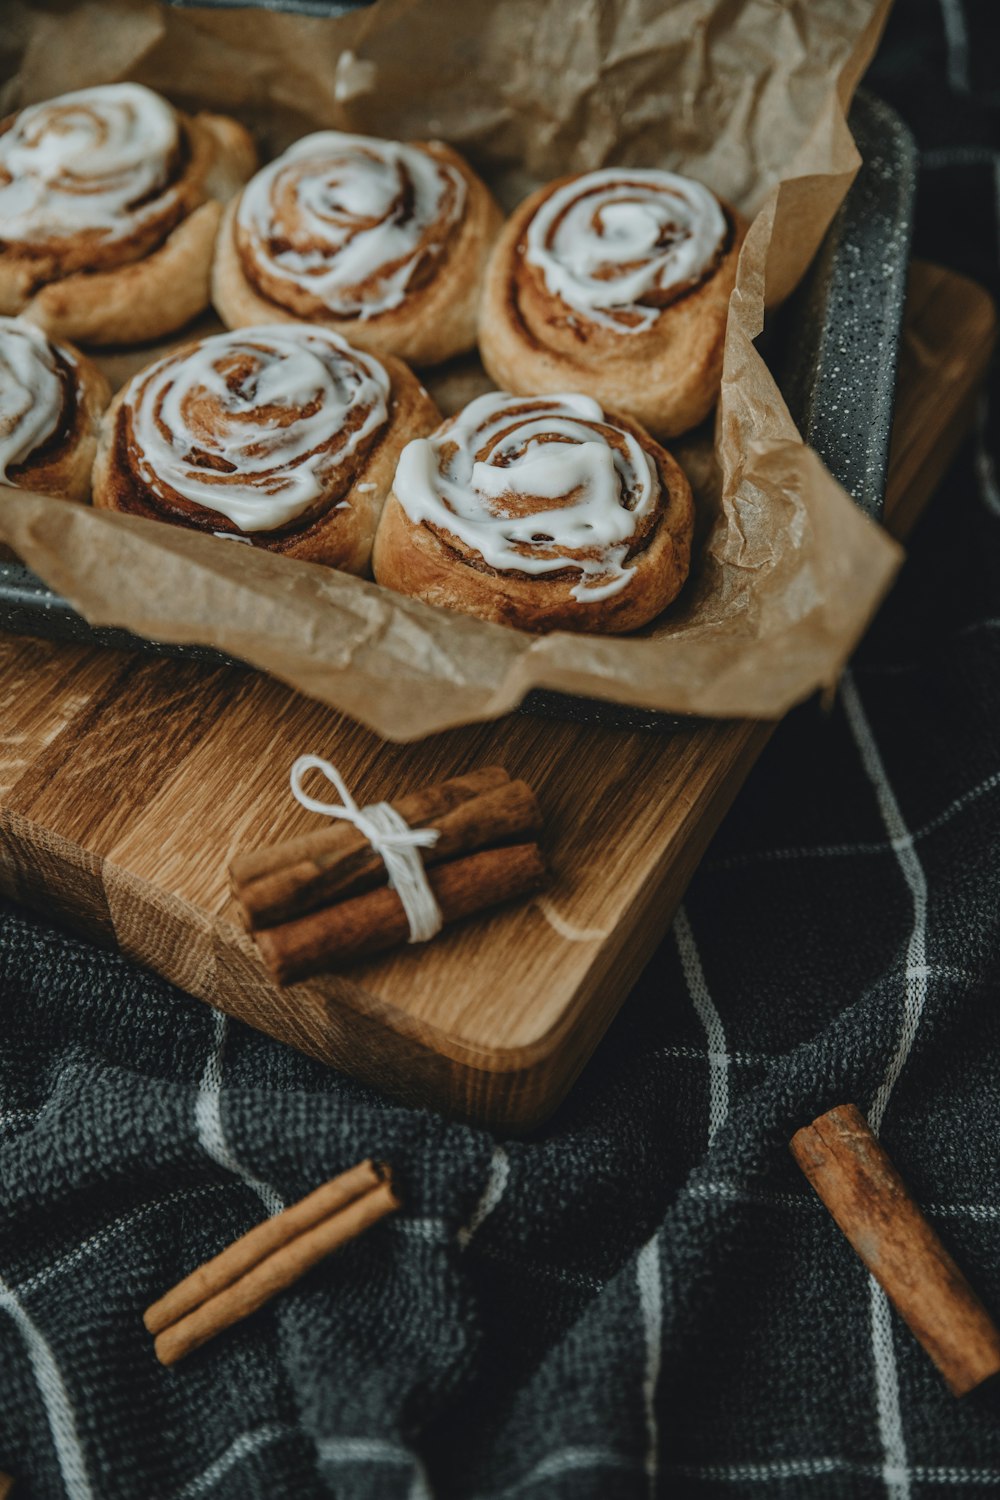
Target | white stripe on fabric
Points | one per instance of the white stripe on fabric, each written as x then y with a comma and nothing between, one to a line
946,1474
735,1192
362,1450
715,1035
10,1116
208,1121
986,1212
816,1468
701,1054
566,1461
239,1449
55,1397
986,474
915,995
956,37
650,1283
496,1185
958,156
779,1468
96,1241
366,1450
895,1476
434,1230
890,1420
883,846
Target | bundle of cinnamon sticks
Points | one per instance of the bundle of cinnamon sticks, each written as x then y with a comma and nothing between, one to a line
320,900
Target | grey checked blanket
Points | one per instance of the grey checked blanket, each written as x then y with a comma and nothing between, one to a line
646,1299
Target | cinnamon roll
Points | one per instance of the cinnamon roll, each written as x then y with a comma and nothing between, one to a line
615,283
387,243
283,437
541,512
51,400
110,200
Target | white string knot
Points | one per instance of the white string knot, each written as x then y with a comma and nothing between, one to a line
394,841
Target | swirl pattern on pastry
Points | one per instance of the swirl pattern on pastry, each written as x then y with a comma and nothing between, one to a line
51,401
258,426
110,200
618,246
542,512
616,284
100,159
346,224
536,487
37,393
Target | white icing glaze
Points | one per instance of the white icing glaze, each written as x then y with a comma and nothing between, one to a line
607,239
328,215
31,393
80,161
480,479
253,424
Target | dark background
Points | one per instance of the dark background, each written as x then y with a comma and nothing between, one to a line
646,1299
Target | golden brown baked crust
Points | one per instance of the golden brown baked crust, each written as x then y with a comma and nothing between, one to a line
419,301
324,453
89,263
665,369
52,398
416,551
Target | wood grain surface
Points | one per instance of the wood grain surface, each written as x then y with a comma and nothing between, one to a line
128,783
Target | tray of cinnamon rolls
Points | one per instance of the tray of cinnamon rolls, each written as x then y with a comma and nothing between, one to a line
284,329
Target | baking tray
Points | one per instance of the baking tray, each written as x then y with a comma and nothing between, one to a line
833,349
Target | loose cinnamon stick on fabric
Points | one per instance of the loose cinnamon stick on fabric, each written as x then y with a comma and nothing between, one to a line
261,1241
869,1201
375,921
281,1269
262,878
504,814
6,1485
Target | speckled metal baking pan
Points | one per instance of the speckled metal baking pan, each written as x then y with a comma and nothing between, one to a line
834,353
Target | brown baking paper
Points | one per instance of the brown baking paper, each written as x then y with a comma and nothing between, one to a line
750,98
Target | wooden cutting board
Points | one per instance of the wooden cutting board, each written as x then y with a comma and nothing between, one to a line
128,782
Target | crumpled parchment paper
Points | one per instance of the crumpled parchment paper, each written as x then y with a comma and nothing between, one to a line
751,98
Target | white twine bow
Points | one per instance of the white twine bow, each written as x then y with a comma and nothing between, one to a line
392,838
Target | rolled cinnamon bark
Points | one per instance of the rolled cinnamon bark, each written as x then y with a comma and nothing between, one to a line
273,1274
869,1201
504,814
258,1243
376,921
262,878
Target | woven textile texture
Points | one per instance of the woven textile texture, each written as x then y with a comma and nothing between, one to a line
646,1299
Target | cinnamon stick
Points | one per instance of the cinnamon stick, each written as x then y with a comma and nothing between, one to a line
261,1241
870,1202
281,1269
261,878
506,813
375,921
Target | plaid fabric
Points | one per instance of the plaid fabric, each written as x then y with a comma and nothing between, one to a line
646,1299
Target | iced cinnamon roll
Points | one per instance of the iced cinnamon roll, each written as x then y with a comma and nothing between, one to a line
385,243
283,437
540,512
110,201
51,400
615,283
